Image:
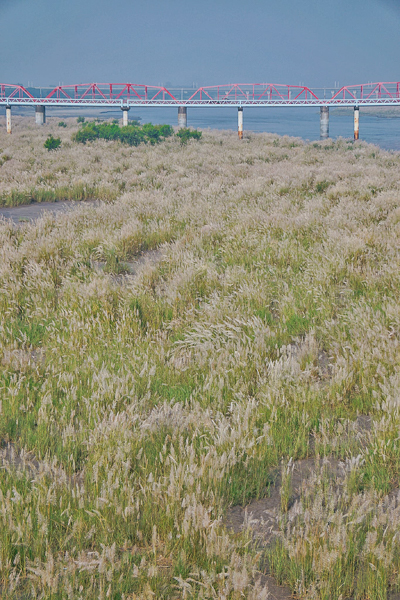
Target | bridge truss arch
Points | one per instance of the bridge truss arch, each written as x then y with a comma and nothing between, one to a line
236,94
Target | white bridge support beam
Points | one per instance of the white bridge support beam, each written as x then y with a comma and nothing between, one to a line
324,123
356,122
40,115
182,117
8,119
125,110
240,122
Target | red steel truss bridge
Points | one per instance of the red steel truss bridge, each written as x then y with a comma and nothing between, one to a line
236,94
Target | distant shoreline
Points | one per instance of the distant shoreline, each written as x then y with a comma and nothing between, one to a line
382,112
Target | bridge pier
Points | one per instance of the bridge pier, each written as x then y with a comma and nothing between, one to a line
8,119
40,115
356,122
125,110
182,117
240,122
324,123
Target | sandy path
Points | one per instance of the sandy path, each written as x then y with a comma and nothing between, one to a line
31,212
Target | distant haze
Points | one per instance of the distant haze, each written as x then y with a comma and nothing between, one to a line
316,42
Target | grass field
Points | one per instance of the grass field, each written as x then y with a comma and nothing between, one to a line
141,401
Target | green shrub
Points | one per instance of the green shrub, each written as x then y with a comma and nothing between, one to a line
185,134
52,143
62,124
80,120
132,135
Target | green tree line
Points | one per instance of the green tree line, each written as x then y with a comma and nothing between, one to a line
133,134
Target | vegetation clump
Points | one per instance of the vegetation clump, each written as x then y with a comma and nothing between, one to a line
185,134
132,135
52,143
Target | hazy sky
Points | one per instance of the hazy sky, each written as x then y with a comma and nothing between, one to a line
316,42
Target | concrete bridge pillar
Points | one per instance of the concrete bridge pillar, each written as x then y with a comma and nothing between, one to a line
356,122
8,119
182,117
125,110
240,122
40,115
324,123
